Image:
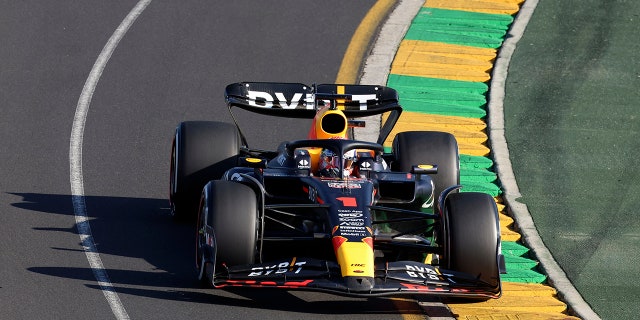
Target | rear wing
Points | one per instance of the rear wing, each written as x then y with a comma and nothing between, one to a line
297,100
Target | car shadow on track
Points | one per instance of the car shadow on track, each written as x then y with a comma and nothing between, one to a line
139,228
142,229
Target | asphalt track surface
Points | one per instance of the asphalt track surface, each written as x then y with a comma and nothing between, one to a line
571,122
171,65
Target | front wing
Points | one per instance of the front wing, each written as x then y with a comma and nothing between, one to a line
391,278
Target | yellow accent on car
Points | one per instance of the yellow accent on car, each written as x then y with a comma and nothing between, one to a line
340,102
355,259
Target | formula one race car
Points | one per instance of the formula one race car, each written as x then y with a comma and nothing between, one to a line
330,213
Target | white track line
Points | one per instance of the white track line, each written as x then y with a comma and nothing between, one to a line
75,162
518,210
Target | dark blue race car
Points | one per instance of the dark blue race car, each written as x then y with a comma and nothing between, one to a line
330,213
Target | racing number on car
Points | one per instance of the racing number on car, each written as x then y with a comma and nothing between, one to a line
348,201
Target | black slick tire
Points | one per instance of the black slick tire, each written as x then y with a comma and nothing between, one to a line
227,227
472,236
428,147
201,151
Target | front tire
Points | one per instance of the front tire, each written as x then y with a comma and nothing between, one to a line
227,227
472,236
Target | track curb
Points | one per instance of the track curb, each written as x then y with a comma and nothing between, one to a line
376,71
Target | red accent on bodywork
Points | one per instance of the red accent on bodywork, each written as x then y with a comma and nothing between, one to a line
252,283
337,242
298,283
369,241
417,287
348,201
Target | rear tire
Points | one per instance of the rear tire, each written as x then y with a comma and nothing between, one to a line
229,218
428,147
472,236
201,151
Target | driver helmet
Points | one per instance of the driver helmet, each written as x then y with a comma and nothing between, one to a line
329,165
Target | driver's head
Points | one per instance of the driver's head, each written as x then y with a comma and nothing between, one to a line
329,124
330,163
